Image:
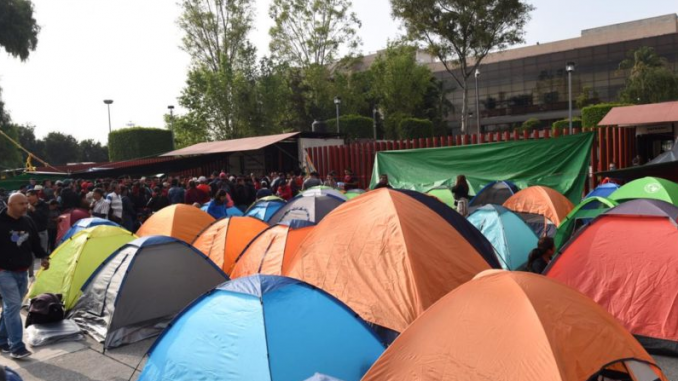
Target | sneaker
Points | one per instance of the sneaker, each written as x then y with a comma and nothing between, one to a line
4,348
20,354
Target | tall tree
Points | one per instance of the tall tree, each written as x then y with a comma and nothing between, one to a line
92,151
216,38
462,32
312,32
18,28
28,140
650,79
61,148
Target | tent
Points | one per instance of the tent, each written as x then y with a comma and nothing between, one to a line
353,193
627,261
86,223
263,328
270,252
515,326
444,194
224,240
139,289
76,259
542,208
507,232
221,211
580,216
265,208
180,221
68,219
648,187
322,377
495,193
603,190
388,256
322,191
311,207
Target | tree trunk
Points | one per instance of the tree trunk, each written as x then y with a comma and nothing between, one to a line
464,108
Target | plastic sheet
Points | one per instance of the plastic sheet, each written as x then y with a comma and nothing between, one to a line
44,334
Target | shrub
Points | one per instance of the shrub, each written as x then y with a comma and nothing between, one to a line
565,123
413,128
136,142
354,126
530,124
592,115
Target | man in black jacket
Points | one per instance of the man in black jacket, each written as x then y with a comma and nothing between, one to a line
18,239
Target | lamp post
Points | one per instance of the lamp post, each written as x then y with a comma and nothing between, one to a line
108,104
477,74
337,102
570,69
374,118
171,110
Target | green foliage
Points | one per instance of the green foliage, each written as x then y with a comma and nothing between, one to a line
311,33
60,149
413,128
18,28
650,78
530,124
588,96
565,124
462,32
10,157
91,151
354,126
138,142
592,115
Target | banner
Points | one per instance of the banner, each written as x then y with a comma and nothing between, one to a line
559,163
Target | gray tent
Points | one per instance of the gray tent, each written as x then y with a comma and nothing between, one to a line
667,156
311,206
141,287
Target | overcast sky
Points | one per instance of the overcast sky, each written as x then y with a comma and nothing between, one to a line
128,51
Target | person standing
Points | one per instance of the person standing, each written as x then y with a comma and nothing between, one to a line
541,256
350,181
176,193
38,211
312,181
115,200
100,207
18,240
53,224
460,191
129,214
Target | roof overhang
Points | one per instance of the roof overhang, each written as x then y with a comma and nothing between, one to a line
234,145
639,115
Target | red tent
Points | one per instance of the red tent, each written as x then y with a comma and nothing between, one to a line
627,261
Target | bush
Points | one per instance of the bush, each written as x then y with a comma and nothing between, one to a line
592,115
354,126
413,128
565,123
136,142
530,124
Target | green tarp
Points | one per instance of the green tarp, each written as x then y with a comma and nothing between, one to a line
559,163
16,182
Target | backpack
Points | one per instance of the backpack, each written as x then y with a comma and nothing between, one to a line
45,308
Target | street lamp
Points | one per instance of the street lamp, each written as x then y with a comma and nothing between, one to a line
337,102
171,110
477,74
570,69
108,104
374,118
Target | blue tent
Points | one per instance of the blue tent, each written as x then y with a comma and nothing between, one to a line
221,211
263,328
603,190
85,223
322,377
264,209
511,237
495,193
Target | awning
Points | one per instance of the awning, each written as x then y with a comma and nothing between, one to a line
668,171
235,145
642,114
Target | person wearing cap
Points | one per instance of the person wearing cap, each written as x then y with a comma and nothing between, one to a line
69,198
205,188
312,181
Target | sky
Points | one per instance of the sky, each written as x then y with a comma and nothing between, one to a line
129,51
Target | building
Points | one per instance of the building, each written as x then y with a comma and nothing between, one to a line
531,81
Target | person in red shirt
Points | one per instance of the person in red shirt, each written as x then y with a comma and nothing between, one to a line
284,191
204,187
193,194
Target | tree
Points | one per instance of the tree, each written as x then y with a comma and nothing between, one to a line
650,79
61,149
91,151
462,32
18,29
311,32
10,156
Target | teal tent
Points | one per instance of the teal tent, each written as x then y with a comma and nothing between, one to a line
507,232
559,163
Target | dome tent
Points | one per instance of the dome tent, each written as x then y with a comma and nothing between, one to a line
180,221
264,208
542,208
85,223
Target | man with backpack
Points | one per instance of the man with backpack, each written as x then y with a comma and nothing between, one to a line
18,239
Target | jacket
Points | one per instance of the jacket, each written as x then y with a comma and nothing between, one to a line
18,239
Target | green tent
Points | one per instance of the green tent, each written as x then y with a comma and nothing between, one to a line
443,194
72,263
648,187
353,193
581,215
559,163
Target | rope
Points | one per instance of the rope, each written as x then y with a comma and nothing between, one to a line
27,152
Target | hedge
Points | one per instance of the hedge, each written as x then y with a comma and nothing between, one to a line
137,142
413,128
530,124
565,123
354,126
592,115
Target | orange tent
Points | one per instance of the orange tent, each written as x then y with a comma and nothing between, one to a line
540,201
271,252
514,326
179,221
387,256
224,240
